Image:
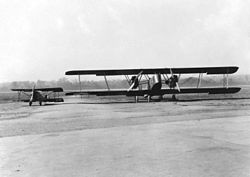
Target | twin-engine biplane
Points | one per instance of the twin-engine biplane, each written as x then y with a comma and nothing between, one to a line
150,82
40,95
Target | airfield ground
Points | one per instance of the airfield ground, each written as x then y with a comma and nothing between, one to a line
116,137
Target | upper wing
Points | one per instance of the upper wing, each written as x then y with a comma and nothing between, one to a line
208,70
23,90
54,89
215,90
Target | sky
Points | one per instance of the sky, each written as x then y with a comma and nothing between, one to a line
42,39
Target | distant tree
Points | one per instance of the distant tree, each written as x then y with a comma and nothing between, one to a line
67,84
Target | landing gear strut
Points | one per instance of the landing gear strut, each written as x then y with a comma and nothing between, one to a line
174,98
149,98
136,99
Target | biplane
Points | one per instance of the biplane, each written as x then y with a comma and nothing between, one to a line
151,82
40,95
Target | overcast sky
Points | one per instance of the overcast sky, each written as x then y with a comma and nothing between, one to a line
41,39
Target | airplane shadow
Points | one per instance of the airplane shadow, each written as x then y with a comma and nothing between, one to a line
108,102
49,104
37,105
203,99
157,100
140,101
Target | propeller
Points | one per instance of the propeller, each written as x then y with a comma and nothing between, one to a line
175,80
32,94
134,81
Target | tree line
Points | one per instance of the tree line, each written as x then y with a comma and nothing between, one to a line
67,84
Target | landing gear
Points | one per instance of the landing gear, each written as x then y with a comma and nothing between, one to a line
136,99
174,98
40,103
30,103
149,98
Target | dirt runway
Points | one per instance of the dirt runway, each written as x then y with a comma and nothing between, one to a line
82,137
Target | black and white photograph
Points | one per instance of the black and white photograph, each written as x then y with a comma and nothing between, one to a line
125,88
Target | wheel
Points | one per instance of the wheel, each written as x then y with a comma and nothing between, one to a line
174,98
40,103
149,98
30,103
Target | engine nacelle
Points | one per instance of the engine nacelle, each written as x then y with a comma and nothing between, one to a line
156,79
172,81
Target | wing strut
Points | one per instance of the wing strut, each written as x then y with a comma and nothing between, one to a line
199,80
127,78
225,80
80,85
106,82
18,95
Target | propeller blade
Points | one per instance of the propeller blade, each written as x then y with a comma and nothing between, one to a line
132,85
31,98
171,72
138,75
33,92
178,88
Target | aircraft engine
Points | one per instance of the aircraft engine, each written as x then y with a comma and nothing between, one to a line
156,82
135,82
172,81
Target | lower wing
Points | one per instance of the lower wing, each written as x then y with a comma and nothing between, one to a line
215,90
46,100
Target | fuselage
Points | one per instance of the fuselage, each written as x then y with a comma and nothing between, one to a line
37,96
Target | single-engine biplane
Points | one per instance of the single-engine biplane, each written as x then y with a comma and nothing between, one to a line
149,82
40,95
